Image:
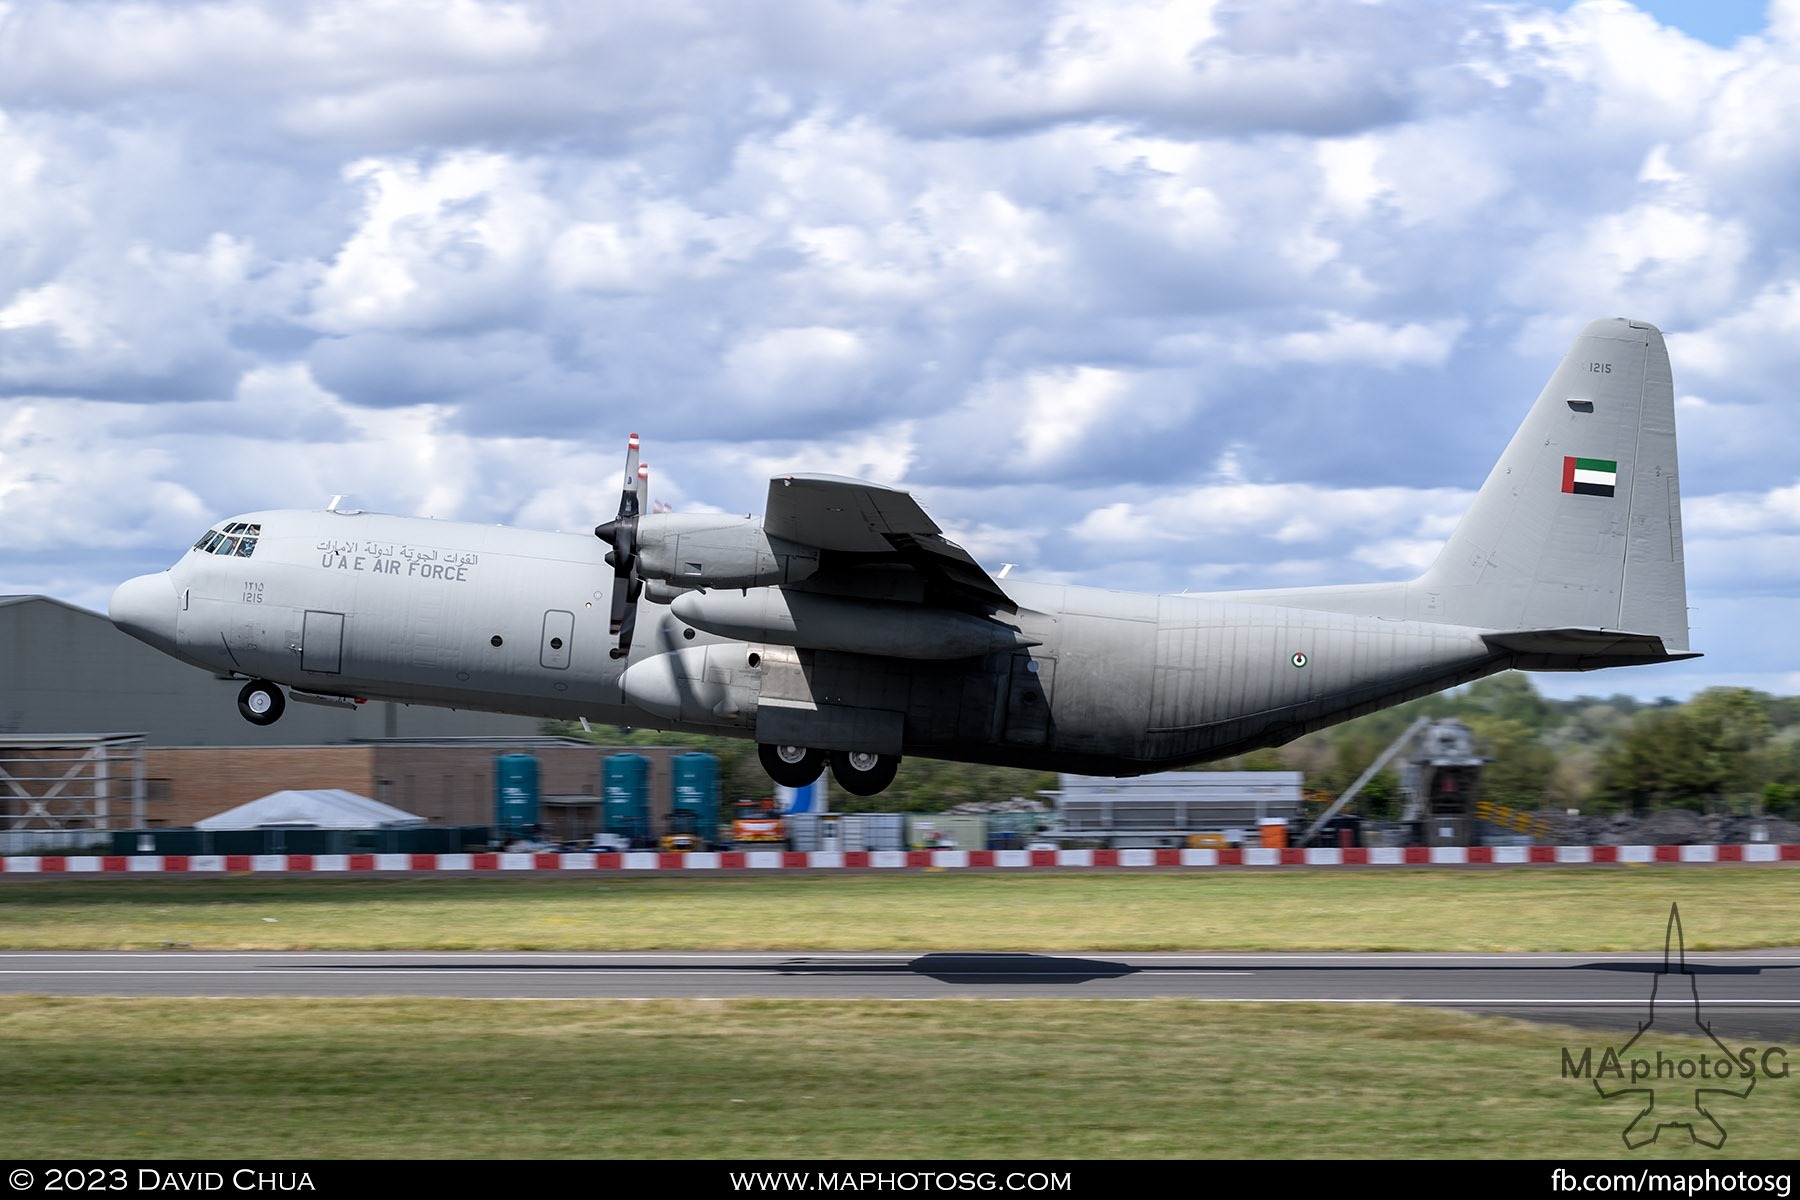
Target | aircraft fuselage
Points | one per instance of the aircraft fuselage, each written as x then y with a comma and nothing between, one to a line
842,624
487,617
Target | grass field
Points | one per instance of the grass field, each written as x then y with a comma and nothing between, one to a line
433,1079
1525,909
439,1079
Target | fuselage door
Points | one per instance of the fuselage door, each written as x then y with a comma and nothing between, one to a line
322,642
559,636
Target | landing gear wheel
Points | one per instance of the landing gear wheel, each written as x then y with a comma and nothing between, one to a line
261,702
861,773
791,766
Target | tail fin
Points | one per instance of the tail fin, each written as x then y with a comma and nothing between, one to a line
1578,528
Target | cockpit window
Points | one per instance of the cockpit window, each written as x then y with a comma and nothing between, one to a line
236,540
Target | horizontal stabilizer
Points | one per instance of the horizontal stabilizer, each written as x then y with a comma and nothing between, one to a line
1582,649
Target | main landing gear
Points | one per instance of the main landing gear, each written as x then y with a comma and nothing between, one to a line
859,772
791,766
261,702
862,773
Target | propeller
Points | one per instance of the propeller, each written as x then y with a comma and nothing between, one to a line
621,534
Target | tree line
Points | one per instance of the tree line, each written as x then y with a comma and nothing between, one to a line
1726,749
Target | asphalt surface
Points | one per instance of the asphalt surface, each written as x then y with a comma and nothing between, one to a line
1752,993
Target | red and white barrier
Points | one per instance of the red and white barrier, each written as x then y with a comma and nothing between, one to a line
826,860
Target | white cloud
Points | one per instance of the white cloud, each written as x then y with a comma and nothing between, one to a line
1233,292
455,244
1062,407
1754,344
1743,512
52,453
1284,513
1189,66
1409,556
1345,340
803,368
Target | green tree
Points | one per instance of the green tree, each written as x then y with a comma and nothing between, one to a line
1520,769
1733,725
1656,763
1707,753
1509,696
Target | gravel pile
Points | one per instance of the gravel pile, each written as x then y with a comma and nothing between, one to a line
1669,827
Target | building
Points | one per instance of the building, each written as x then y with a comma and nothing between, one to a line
65,670
1166,808
445,781
98,730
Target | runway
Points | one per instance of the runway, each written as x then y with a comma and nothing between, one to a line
1752,993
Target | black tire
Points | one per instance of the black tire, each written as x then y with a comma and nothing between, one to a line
791,766
861,773
261,702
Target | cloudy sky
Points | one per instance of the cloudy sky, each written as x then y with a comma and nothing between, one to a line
1139,294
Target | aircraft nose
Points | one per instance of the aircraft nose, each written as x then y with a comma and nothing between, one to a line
146,608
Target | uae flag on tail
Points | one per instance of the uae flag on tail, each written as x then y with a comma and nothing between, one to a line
1590,476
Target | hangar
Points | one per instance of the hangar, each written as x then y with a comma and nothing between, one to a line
64,669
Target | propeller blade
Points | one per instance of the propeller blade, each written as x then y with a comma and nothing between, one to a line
627,587
621,604
631,611
629,505
621,534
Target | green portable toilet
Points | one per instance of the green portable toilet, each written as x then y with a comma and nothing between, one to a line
625,798
696,799
515,795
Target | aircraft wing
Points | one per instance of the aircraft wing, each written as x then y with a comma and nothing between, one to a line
853,516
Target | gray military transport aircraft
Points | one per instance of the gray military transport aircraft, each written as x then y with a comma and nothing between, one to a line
843,627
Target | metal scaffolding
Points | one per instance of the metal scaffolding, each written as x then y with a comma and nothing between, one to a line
71,781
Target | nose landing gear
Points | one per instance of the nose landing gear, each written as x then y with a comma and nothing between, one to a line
261,702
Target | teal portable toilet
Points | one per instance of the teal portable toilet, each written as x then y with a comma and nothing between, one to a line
625,798
515,795
696,800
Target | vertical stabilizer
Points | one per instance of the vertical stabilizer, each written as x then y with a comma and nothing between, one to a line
1578,527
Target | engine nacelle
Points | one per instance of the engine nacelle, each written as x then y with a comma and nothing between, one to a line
713,550
703,685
